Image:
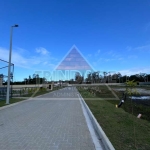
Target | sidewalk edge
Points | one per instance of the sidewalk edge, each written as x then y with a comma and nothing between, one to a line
101,134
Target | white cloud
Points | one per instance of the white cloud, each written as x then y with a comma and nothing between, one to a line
108,60
145,48
113,56
24,61
44,63
120,58
21,50
52,65
132,56
89,56
17,59
128,48
42,50
133,71
110,52
98,52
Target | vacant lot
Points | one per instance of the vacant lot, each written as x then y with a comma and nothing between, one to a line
123,128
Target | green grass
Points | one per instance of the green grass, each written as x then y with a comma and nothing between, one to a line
103,92
14,100
40,92
125,131
135,108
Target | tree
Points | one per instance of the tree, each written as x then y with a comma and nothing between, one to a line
89,77
97,79
29,79
94,77
119,76
105,77
143,75
36,79
130,88
44,80
124,78
34,76
78,78
25,80
135,77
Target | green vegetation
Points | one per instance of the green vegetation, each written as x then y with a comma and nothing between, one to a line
40,91
32,93
96,92
125,131
12,100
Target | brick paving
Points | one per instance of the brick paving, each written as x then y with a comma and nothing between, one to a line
46,124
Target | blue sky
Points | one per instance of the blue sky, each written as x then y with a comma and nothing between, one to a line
111,35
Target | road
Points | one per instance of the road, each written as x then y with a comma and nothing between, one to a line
54,121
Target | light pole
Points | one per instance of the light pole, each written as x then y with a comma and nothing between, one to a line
8,81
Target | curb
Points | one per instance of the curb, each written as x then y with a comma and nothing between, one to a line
101,134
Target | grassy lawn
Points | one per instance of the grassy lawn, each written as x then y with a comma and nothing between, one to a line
125,131
40,92
101,91
14,100
146,87
36,92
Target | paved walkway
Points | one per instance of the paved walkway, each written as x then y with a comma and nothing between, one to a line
46,124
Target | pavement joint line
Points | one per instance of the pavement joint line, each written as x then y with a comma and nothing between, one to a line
101,134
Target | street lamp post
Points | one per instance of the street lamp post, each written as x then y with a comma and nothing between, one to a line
10,51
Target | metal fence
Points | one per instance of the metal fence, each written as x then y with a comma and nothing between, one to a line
3,92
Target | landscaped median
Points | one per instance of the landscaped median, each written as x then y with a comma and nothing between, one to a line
124,130
27,96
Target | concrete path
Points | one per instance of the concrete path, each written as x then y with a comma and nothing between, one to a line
47,123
